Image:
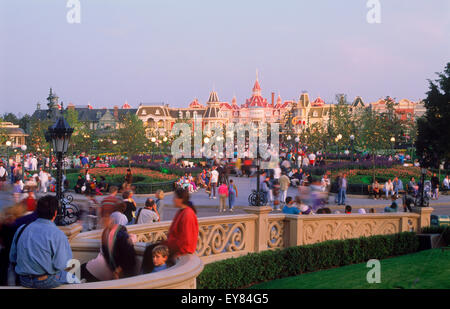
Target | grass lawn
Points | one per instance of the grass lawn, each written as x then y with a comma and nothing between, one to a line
428,269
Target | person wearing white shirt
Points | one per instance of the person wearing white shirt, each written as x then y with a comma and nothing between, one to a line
445,183
147,214
118,217
277,172
389,188
43,179
213,182
325,183
34,163
3,174
312,158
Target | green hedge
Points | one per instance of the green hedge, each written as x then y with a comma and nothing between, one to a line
254,268
444,230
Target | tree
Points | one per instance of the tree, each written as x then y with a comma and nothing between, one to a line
433,140
3,134
131,136
24,123
373,133
10,117
37,140
341,121
82,137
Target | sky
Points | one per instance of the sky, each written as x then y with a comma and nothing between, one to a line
146,51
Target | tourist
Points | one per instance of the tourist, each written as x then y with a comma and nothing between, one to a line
290,208
413,188
362,211
398,185
3,175
102,186
325,183
128,177
342,189
336,185
108,205
223,196
348,209
284,186
43,180
130,205
155,259
79,185
276,194
445,183
393,207
213,182
265,188
159,201
147,214
30,201
389,188
435,186
183,232
376,190
306,210
118,216
372,210
40,251
117,257
232,194
408,200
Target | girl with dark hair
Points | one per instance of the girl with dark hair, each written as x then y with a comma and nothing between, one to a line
116,260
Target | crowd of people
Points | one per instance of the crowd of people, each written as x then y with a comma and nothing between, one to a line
35,252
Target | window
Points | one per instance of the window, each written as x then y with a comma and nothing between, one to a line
158,112
144,112
315,114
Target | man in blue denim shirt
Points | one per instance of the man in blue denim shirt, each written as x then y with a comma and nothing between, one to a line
42,251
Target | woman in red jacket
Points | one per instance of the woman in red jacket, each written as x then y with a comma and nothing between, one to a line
183,232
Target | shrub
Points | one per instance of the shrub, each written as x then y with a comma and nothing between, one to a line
443,230
269,265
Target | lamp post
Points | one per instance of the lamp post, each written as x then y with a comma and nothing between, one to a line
60,133
422,200
23,148
258,165
352,138
8,144
338,138
392,144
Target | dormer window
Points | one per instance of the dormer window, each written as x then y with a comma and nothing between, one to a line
144,112
157,112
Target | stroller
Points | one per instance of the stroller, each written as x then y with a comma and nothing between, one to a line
426,195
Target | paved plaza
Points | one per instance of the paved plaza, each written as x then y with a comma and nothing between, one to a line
209,207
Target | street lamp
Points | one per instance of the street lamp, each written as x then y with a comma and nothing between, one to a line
24,148
352,139
422,200
8,144
338,138
392,144
60,133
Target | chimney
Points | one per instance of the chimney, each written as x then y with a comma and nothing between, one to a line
116,112
273,98
70,106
